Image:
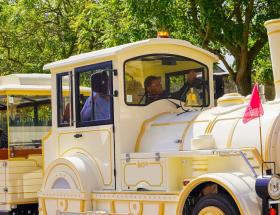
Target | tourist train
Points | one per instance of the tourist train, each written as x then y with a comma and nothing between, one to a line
131,134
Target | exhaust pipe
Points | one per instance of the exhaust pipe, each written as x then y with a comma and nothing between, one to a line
273,32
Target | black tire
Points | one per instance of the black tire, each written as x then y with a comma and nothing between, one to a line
221,201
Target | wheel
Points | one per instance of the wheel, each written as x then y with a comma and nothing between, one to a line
215,204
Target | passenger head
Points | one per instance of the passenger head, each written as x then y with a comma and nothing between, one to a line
153,85
99,83
191,75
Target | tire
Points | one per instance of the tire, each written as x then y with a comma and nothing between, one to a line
218,202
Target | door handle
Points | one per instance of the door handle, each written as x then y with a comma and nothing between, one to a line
78,135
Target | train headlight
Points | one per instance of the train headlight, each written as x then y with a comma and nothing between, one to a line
274,187
268,187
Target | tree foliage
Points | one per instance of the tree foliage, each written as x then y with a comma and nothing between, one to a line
35,32
232,27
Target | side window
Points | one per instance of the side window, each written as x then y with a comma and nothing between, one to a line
94,104
64,99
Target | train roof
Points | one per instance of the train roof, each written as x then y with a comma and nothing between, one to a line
22,84
110,52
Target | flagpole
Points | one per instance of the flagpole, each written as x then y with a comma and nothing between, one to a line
253,110
260,130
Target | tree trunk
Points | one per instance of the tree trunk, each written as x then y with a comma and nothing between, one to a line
245,83
243,68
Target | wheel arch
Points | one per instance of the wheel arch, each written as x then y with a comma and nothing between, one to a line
236,185
85,172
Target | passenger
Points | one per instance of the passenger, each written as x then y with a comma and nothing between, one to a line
97,105
153,89
193,83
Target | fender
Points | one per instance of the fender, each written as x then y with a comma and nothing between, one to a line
71,177
239,186
82,171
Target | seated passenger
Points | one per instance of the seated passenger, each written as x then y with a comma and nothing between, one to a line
192,84
97,105
153,89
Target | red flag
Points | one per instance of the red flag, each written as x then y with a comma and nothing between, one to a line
254,108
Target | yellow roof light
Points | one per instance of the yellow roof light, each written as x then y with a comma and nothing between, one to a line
163,34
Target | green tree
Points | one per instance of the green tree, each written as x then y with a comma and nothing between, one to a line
35,32
232,27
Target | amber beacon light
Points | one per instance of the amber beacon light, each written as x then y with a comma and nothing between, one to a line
163,34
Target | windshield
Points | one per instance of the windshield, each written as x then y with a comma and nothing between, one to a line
160,76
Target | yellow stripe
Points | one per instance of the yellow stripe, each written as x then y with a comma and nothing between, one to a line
209,127
137,193
185,132
82,206
143,129
170,123
161,209
112,207
231,101
33,92
44,139
273,21
187,190
273,32
269,136
8,125
231,133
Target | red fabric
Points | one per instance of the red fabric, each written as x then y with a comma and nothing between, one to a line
272,211
254,108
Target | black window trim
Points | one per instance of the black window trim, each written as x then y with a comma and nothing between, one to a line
155,54
77,71
58,97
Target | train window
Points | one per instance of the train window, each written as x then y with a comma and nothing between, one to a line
159,76
94,105
64,99
29,120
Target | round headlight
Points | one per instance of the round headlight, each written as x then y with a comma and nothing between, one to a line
274,187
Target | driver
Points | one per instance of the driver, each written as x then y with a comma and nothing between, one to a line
153,89
192,83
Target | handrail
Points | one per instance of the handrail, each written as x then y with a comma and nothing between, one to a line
249,164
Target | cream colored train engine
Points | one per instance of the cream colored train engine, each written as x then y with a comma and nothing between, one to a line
129,148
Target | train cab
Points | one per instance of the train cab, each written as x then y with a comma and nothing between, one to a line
111,94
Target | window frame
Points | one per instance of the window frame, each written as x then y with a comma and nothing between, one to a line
155,54
59,87
108,66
